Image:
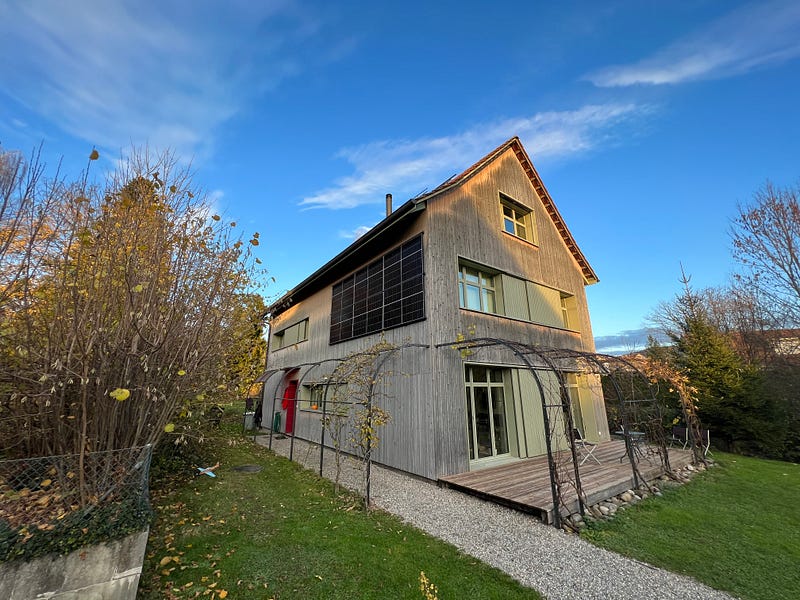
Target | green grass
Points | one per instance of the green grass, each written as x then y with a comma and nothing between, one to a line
735,528
283,533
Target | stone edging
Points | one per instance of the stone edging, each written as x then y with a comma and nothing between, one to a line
608,509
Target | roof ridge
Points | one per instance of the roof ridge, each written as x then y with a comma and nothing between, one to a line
527,165
469,171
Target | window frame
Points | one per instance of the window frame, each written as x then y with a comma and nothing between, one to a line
490,384
278,338
521,216
484,289
573,388
569,311
314,392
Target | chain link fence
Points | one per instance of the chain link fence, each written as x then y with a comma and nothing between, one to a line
60,503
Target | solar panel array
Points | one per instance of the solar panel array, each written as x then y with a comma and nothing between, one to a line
387,293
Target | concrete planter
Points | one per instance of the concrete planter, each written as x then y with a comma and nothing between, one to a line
108,571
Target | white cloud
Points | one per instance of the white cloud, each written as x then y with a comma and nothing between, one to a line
213,200
355,233
751,37
402,166
632,340
167,73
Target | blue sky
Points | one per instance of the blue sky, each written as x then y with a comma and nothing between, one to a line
648,121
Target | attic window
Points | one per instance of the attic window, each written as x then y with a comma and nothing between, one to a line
517,219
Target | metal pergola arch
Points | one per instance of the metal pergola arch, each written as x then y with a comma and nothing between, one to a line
382,356
609,365
535,358
559,361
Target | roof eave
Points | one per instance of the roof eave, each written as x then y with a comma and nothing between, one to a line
589,276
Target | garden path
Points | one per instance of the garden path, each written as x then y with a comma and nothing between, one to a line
559,565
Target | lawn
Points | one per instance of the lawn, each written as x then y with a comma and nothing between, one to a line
283,533
735,528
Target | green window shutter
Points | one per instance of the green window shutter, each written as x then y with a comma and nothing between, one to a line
545,305
277,341
290,336
515,298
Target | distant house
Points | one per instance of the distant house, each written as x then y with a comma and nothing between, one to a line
485,254
766,346
787,342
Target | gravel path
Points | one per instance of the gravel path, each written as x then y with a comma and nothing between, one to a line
558,565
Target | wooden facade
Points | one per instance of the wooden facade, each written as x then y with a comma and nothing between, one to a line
535,285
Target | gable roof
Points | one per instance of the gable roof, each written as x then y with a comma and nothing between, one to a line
409,210
527,165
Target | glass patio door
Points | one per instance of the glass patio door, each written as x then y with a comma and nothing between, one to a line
487,428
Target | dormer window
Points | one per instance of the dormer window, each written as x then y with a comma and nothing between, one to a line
517,219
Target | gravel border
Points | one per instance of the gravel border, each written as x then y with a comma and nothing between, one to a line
559,565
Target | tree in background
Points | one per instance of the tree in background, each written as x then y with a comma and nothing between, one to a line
27,219
730,398
766,242
124,304
246,355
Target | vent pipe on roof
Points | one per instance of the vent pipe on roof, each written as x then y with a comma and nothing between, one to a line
388,204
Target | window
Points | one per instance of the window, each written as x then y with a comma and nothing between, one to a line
476,290
487,290
487,429
571,383
291,335
335,401
569,311
387,293
517,220
312,396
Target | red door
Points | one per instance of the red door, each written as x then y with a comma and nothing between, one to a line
289,405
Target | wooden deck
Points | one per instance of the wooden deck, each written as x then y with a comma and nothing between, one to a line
525,484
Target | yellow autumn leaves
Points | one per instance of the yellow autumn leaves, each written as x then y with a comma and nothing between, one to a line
120,394
210,586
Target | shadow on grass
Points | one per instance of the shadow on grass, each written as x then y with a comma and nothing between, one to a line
282,532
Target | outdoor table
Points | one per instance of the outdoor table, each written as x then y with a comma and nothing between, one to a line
636,439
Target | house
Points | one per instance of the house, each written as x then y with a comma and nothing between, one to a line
485,255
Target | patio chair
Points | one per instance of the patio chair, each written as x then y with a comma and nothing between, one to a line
680,435
585,448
